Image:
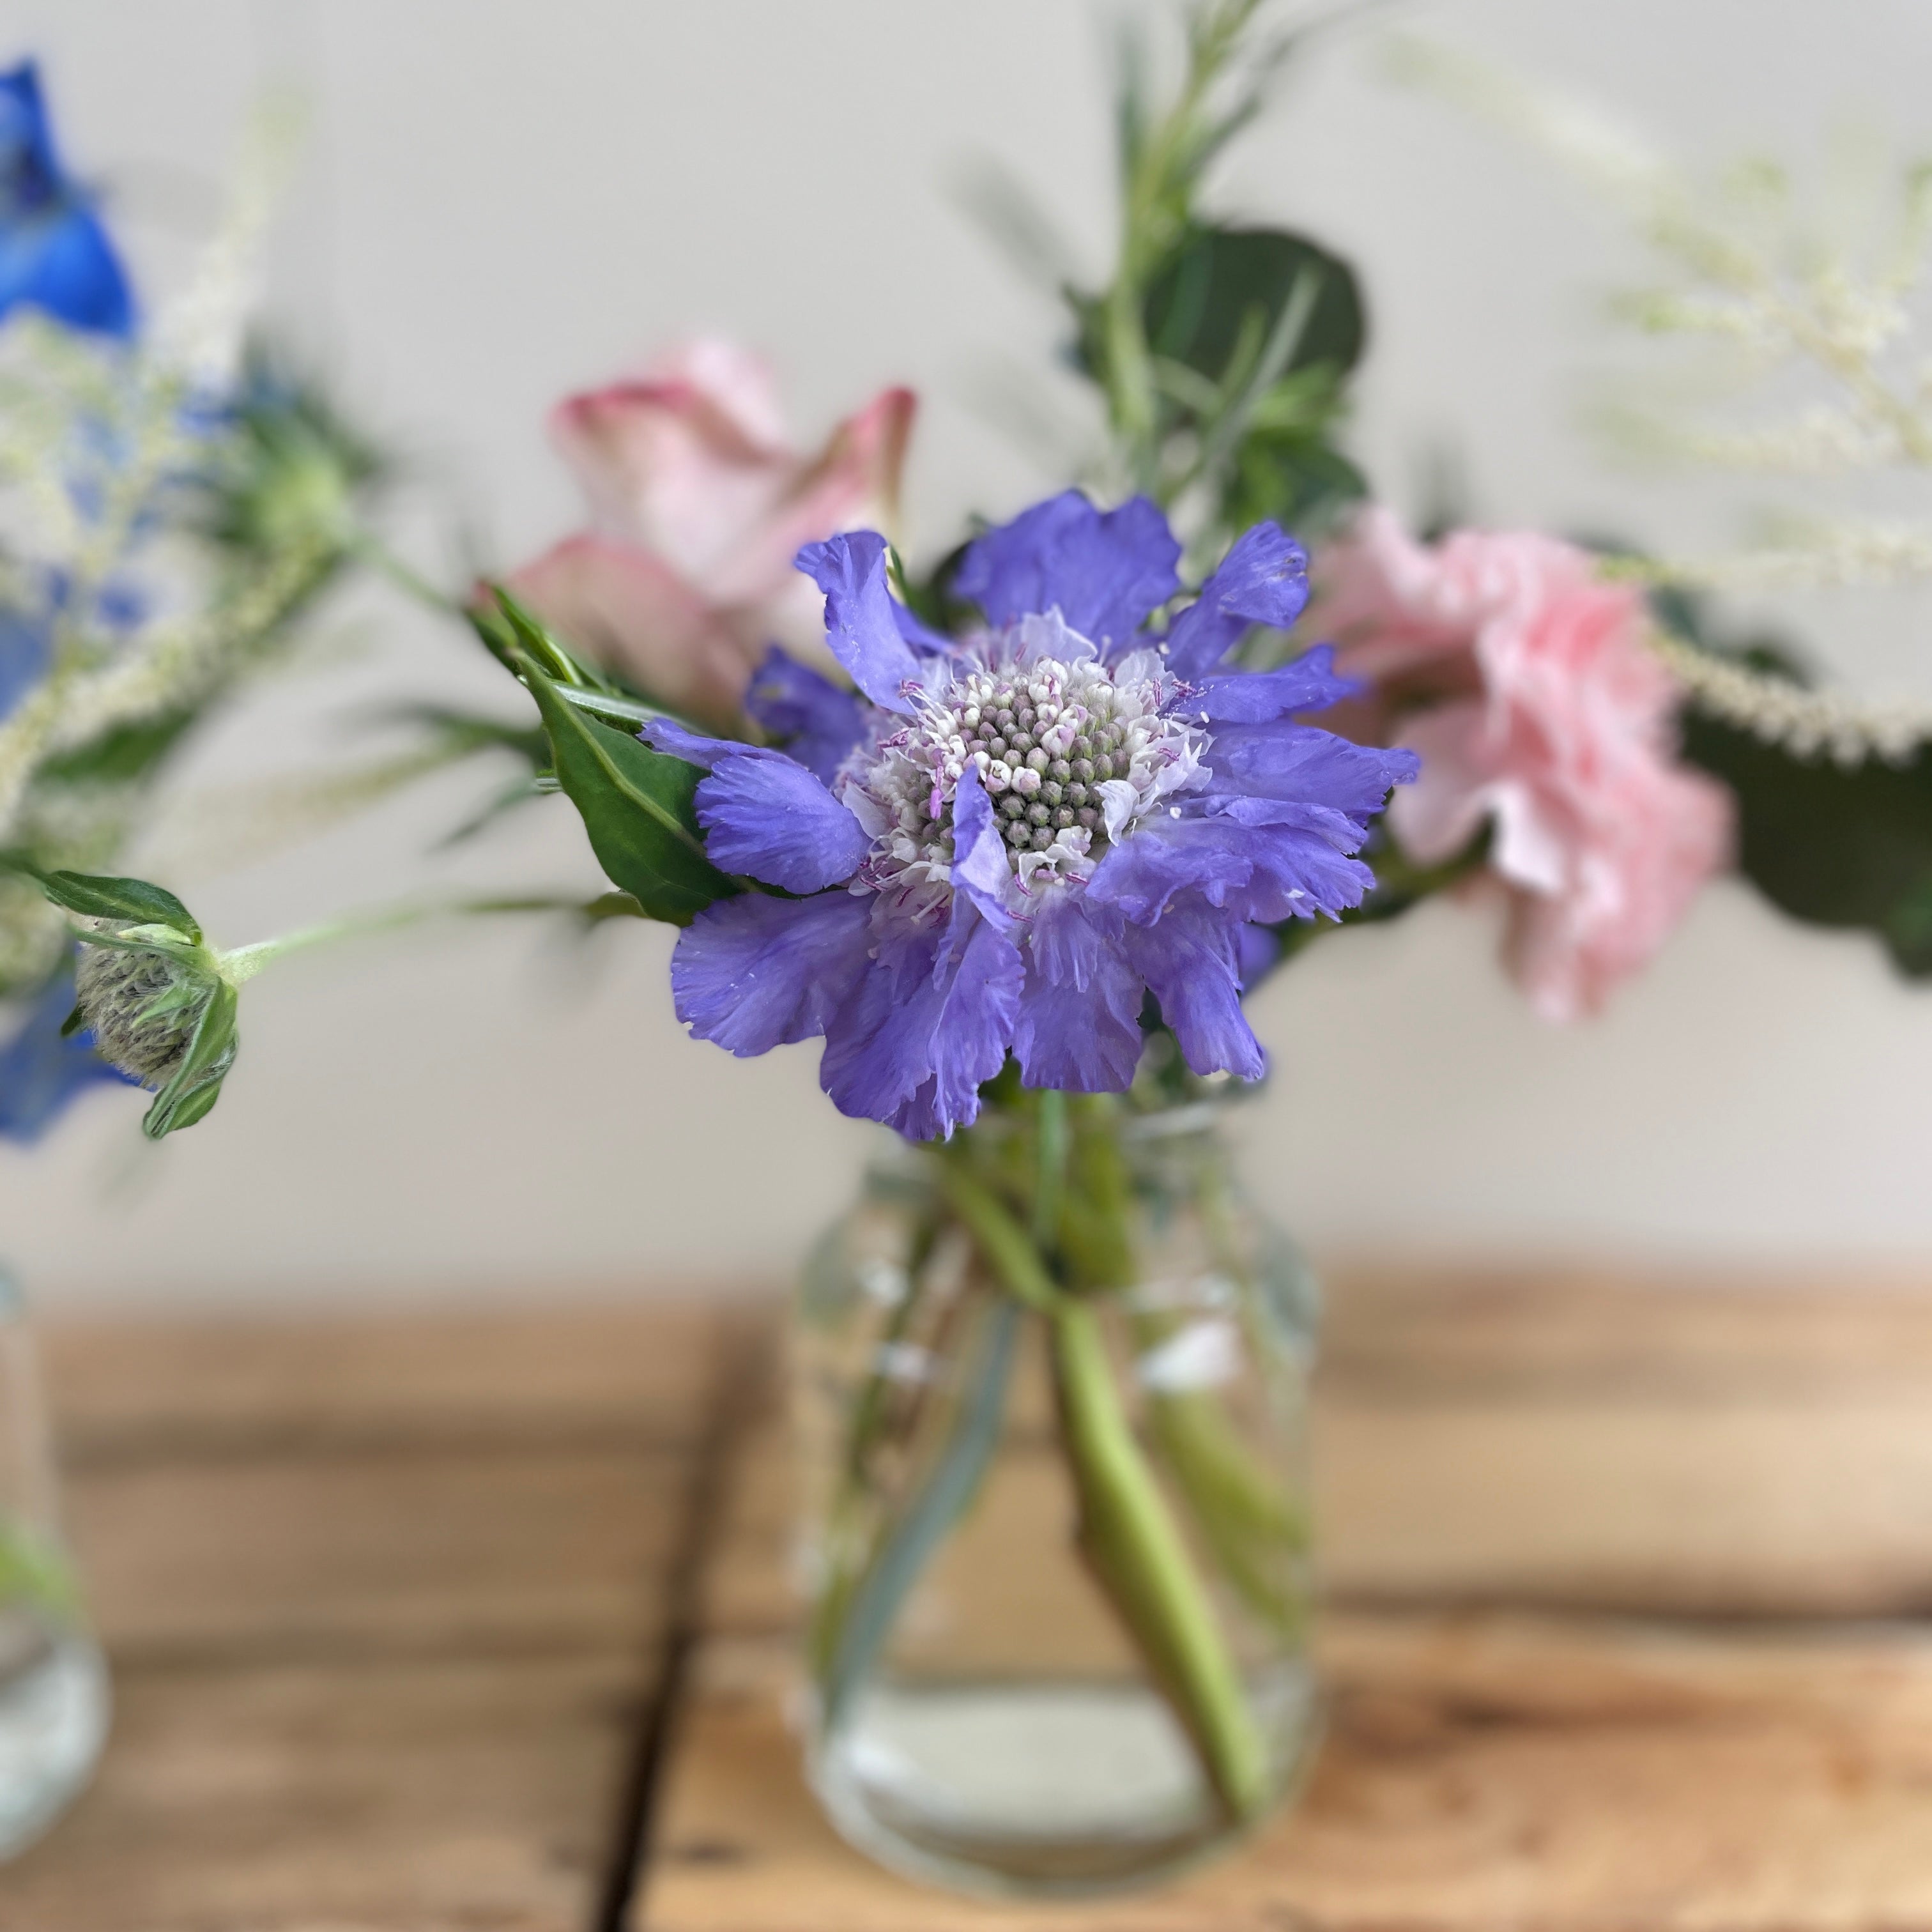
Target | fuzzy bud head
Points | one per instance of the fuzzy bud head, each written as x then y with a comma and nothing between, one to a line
142,1004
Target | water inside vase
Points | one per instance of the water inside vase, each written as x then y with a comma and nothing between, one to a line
53,1717
1074,1786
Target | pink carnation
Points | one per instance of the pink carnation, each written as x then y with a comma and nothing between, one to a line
1523,681
697,504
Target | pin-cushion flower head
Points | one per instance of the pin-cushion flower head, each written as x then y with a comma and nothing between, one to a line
1007,840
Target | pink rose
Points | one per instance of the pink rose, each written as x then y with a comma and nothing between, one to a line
697,504
1523,681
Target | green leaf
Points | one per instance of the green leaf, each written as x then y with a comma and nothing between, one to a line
636,805
1199,304
196,1085
1847,846
123,755
96,896
1831,844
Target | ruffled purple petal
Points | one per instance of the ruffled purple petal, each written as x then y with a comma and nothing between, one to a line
817,722
1078,1025
1140,878
861,624
1104,570
1297,872
1256,950
677,740
919,634
980,873
929,1025
1190,963
1309,683
1263,579
764,815
1265,872
1285,761
753,972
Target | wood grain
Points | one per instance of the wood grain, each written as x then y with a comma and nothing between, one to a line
383,1599
387,1599
1481,1771
379,1797
1502,1468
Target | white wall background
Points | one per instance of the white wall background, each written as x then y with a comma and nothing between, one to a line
500,202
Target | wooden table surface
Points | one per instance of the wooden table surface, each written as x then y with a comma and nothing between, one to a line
478,1624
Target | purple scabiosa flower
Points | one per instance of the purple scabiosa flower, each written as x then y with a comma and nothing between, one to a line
1009,839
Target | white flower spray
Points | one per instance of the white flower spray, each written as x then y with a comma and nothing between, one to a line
1831,305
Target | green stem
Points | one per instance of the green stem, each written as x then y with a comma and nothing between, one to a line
1131,1544
241,963
1125,1532
371,549
1050,1181
856,1617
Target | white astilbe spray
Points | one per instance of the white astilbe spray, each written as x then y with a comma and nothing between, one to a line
1817,302
105,447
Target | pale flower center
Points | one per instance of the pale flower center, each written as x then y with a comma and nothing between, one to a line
1072,756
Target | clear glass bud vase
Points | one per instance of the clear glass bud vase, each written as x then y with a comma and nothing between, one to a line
53,1683
1050,1384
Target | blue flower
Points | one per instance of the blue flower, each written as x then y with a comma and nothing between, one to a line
54,254
39,1072
1011,839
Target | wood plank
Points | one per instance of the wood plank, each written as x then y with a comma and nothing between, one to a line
385,1601
386,1797
142,1388
489,1547
1575,1442
1570,1442
1481,1770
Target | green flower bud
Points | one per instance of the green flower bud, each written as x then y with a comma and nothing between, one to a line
144,1002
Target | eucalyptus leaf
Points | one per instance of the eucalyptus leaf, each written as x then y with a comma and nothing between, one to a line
1846,846
1831,844
636,805
1221,281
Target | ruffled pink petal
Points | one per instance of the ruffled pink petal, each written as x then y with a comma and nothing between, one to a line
1570,951
626,611
1559,736
1433,819
852,484
666,467
739,383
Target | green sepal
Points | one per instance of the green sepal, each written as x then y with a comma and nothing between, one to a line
95,896
636,805
196,1085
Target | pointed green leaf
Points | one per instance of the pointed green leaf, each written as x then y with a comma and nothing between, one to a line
196,1085
636,805
96,896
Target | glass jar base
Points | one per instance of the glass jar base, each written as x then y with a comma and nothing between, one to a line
1036,1789
53,1720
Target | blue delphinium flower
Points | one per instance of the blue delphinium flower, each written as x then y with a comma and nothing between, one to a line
1022,833
54,254
41,1072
